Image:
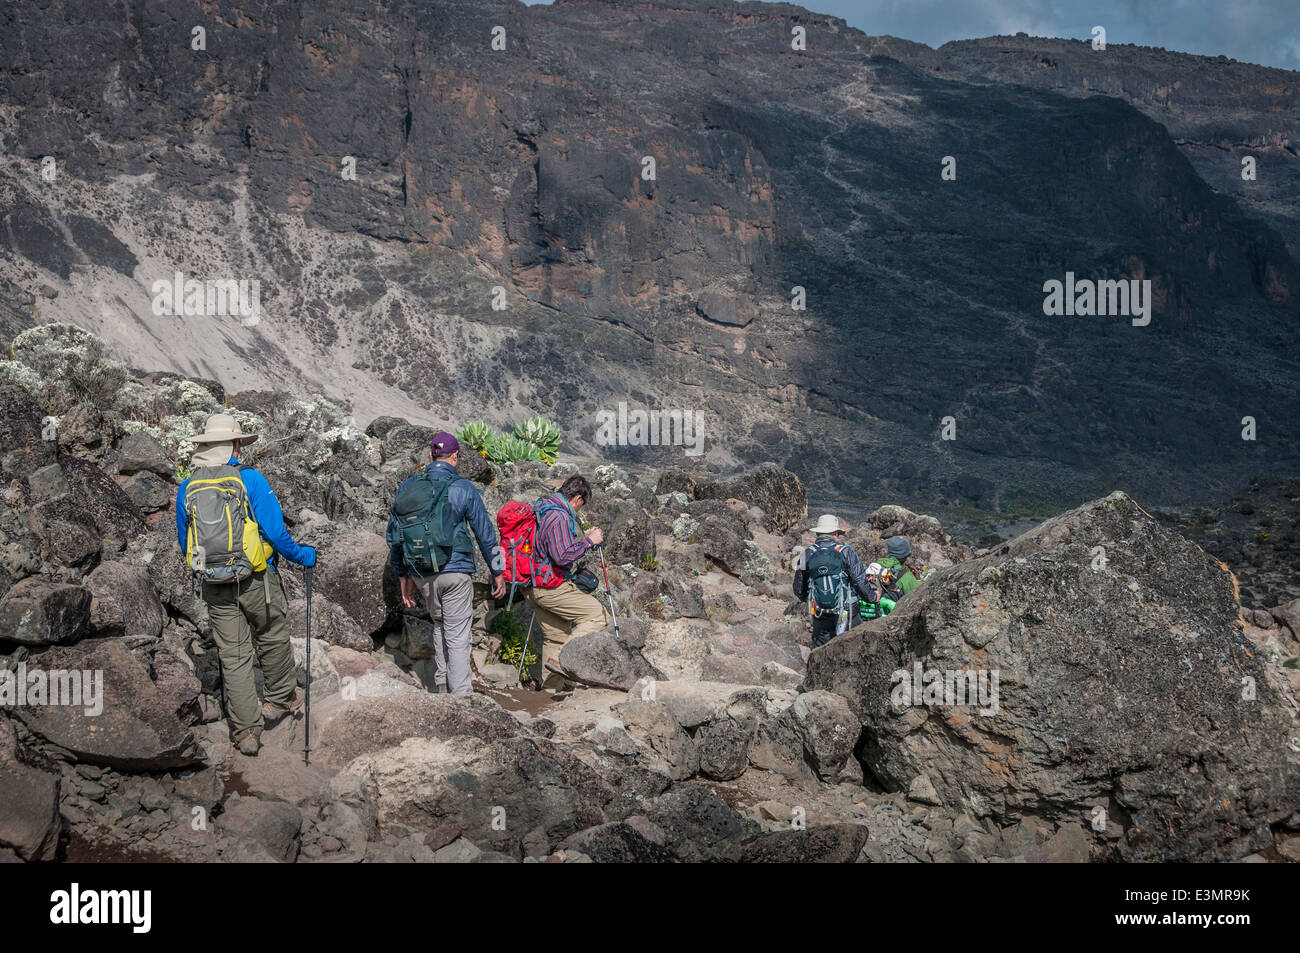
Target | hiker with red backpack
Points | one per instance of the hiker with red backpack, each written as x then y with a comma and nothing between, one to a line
231,528
542,546
431,550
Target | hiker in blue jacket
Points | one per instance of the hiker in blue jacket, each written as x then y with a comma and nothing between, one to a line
449,592
250,615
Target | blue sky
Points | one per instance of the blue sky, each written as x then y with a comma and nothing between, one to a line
1254,31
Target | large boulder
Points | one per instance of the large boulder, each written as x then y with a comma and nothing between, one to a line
148,492
96,501
355,575
372,724
828,730
29,790
177,684
773,489
39,611
629,532
698,825
1123,682
330,622
829,844
129,726
652,723
620,842
172,579
269,827
719,541
514,795
139,452
600,659
125,601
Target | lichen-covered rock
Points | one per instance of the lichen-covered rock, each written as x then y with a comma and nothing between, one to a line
773,489
40,611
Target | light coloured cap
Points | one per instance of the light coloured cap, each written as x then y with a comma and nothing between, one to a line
875,569
826,524
221,428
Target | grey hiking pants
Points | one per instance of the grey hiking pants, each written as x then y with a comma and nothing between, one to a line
449,597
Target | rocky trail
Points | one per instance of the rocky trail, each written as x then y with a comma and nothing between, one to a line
1137,710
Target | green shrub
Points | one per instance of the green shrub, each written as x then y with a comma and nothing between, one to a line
511,450
477,435
542,434
513,634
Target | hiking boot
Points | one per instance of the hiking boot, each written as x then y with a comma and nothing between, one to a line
250,744
273,712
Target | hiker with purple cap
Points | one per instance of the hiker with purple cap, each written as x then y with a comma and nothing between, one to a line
431,550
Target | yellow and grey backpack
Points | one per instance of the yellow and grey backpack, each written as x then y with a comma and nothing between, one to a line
222,541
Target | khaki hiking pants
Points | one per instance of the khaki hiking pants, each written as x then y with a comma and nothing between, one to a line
564,612
252,617
449,597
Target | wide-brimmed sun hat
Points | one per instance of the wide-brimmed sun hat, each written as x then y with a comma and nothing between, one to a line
221,428
826,524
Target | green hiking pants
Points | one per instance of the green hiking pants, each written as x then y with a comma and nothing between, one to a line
252,617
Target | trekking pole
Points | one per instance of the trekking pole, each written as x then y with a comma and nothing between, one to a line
609,592
306,749
523,650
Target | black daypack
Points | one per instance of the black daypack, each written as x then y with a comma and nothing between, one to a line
426,533
827,585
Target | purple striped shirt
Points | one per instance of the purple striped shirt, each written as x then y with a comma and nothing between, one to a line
559,546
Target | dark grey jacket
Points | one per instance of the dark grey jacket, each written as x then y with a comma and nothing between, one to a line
853,568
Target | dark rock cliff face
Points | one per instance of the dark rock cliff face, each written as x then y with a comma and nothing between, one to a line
523,169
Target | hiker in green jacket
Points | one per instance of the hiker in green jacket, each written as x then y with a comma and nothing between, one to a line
889,579
900,557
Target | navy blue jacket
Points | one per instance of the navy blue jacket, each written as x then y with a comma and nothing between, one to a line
466,506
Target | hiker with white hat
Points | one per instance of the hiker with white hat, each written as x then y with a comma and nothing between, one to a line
231,528
829,574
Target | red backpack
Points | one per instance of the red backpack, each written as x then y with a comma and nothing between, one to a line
517,525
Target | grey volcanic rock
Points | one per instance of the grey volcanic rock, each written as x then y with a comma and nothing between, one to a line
616,843
372,724
361,583
272,826
828,844
698,825
148,492
140,452
41,612
30,822
599,658
125,601
773,489
424,784
138,728
1119,687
